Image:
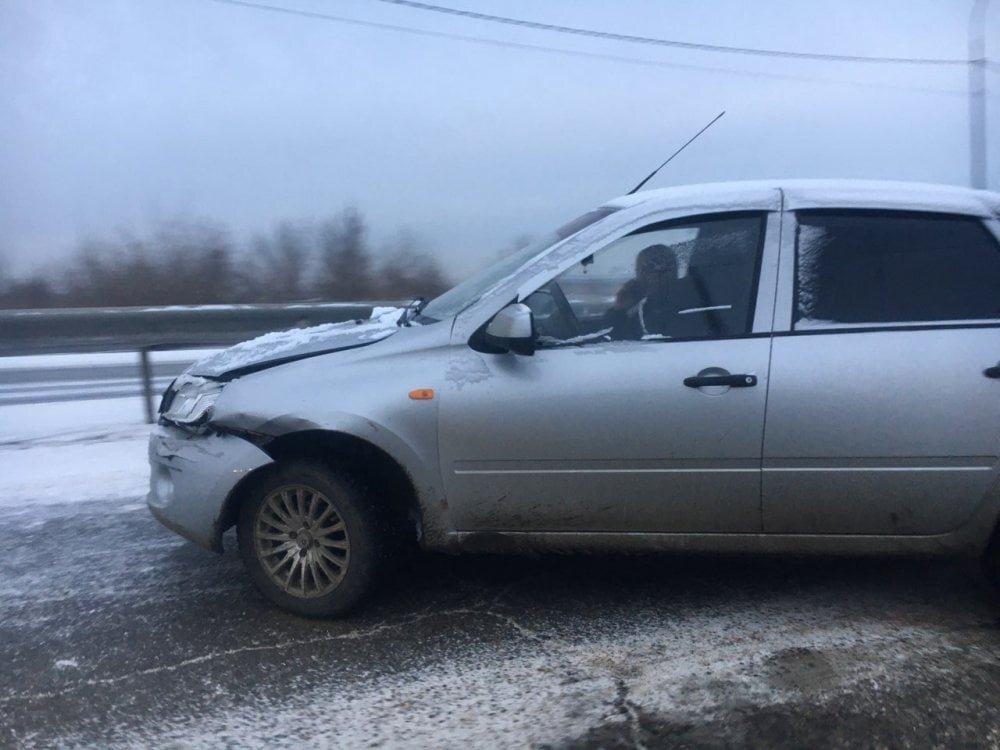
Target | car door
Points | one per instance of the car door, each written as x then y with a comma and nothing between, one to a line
658,433
882,414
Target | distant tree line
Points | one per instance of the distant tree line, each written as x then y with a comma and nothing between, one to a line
197,262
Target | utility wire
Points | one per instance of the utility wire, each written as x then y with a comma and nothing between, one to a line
671,42
577,53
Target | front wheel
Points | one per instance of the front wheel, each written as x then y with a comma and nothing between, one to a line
308,539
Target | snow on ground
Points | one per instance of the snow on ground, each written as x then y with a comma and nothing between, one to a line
76,451
540,688
102,359
72,452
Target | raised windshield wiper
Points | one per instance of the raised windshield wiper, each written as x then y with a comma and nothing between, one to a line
411,311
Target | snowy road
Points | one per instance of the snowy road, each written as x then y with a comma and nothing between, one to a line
59,377
116,633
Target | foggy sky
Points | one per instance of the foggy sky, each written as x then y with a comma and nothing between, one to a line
118,114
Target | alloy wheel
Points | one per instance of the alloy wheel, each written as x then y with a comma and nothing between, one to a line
301,541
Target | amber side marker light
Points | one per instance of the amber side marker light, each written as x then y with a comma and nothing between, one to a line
422,394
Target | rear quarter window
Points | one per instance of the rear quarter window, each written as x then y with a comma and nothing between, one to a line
863,268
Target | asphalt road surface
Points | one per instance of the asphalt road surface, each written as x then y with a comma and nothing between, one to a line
116,633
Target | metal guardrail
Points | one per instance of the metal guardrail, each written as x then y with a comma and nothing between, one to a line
145,329
117,329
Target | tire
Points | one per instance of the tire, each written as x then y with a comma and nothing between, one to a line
309,539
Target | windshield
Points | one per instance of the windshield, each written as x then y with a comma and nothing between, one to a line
459,297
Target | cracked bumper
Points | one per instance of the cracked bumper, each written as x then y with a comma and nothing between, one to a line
192,476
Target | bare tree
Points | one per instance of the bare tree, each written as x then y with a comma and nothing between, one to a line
192,261
186,262
406,271
279,263
345,260
106,273
30,293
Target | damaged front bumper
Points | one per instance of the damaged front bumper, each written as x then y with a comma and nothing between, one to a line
191,477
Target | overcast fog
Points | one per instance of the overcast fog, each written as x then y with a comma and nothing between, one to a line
118,114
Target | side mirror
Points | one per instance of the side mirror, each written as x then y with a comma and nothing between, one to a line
512,329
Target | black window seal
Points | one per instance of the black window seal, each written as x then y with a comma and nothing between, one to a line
893,328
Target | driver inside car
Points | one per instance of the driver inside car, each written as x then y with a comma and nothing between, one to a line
644,306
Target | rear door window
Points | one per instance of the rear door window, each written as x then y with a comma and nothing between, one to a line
858,268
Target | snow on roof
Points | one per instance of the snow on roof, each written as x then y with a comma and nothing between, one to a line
842,193
729,193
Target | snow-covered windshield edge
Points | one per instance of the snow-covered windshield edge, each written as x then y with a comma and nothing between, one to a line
467,292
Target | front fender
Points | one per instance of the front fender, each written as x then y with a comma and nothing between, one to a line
421,469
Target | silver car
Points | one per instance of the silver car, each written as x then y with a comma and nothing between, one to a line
773,367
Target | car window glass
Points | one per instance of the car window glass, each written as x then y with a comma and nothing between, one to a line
467,292
864,268
680,279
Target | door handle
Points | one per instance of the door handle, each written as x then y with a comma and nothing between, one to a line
992,372
733,381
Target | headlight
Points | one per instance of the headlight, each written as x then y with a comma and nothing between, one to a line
189,399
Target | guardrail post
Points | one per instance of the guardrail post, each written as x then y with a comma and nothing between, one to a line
147,383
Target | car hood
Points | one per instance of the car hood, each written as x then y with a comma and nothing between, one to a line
273,349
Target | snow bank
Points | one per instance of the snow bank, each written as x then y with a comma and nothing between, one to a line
72,452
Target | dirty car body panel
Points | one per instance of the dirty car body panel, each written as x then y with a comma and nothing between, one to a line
190,473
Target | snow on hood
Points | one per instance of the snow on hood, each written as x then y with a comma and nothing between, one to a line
273,349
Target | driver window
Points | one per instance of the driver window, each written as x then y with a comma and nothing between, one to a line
690,278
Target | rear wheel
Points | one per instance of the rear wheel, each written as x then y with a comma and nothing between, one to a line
308,539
